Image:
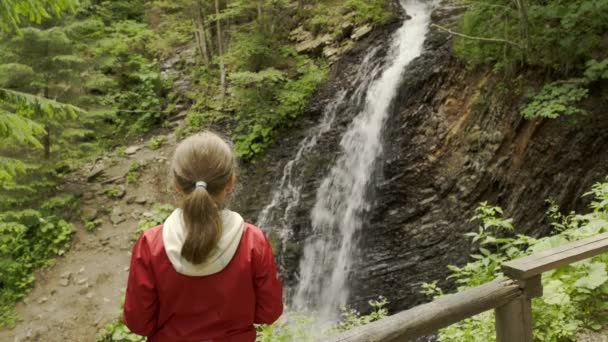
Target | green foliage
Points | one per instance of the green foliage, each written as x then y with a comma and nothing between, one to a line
66,203
562,35
134,172
28,239
156,216
116,331
267,100
574,295
352,318
556,99
92,225
114,192
374,11
156,142
597,70
12,11
563,97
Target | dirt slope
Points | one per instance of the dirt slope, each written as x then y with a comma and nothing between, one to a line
76,297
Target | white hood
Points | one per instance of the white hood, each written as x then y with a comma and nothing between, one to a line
174,235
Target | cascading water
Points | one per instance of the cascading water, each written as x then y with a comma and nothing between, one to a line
341,198
276,216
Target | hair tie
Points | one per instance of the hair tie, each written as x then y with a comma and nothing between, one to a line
201,184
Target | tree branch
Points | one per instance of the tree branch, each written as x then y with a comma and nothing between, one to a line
483,39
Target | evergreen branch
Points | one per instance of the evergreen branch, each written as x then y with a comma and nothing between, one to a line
46,106
483,39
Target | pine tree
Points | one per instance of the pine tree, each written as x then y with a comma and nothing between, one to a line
49,54
16,108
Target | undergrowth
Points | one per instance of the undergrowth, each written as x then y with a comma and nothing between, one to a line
574,296
28,240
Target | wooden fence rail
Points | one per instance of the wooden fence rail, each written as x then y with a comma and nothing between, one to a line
509,297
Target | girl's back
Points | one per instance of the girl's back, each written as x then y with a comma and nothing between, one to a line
170,298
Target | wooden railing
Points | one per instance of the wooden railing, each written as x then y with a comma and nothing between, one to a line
509,297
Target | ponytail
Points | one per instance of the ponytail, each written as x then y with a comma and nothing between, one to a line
202,166
203,225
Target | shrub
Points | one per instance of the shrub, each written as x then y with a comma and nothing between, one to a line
27,241
574,295
134,172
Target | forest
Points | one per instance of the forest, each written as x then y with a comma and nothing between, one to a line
95,94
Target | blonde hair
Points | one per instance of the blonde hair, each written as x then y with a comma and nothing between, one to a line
203,157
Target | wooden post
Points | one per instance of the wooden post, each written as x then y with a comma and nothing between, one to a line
514,319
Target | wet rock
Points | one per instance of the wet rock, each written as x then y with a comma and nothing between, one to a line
64,282
42,300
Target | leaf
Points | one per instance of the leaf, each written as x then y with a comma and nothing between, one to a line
597,276
555,294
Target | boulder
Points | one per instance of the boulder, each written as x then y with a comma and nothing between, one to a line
315,45
95,172
117,216
89,214
361,32
300,34
132,149
345,30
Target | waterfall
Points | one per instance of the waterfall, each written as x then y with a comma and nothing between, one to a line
341,198
276,217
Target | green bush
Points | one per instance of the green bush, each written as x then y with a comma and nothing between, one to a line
27,241
563,97
268,100
575,295
563,35
134,172
156,142
374,11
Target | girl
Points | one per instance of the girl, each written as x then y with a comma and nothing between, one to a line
204,275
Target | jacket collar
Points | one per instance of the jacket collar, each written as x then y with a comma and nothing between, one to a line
174,235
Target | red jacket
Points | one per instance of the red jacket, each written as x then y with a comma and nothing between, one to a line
165,305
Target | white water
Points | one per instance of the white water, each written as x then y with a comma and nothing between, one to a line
276,217
341,198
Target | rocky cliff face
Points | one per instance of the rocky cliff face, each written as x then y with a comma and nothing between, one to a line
455,138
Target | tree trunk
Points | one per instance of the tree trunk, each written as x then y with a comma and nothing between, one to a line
199,31
220,48
522,8
47,134
260,12
47,142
